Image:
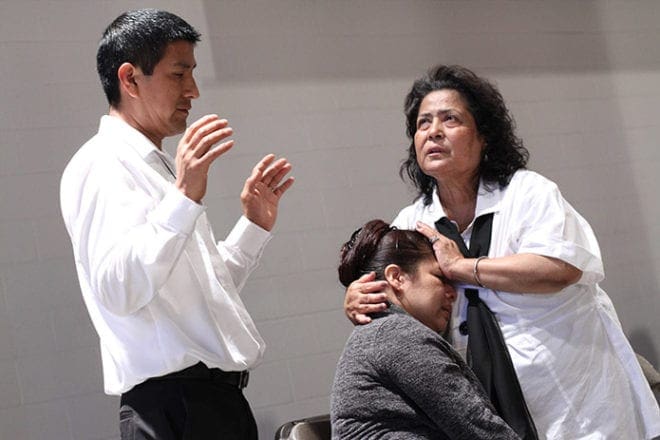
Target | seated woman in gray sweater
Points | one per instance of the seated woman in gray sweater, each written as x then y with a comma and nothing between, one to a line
397,377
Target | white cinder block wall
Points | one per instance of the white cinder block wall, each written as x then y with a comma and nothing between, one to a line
321,82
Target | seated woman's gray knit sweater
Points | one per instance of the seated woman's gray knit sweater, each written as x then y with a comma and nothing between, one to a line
398,379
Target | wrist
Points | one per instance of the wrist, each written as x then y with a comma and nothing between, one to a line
475,271
191,195
265,224
460,270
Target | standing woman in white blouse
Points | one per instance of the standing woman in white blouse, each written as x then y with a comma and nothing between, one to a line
578,374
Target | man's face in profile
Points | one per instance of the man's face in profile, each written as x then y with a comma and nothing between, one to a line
166,95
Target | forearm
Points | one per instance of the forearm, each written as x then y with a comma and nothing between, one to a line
128,277
242,250
520,273
130,255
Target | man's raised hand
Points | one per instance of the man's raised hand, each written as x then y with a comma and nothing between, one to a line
196,152
263,189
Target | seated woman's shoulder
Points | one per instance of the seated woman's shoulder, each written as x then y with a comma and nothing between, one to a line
402,326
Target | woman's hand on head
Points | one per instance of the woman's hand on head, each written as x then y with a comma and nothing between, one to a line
365,296
446,251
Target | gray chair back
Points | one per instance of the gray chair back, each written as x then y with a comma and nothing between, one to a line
312,428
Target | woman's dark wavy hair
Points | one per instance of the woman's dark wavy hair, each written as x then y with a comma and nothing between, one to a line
138,37
376,245
503,153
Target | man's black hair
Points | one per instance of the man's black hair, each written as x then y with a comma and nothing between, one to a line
138,37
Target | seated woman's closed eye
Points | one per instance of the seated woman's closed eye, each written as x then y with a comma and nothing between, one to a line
425,294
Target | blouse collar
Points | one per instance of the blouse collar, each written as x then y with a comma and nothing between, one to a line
487,201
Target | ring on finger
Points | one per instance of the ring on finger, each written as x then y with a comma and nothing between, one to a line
434,239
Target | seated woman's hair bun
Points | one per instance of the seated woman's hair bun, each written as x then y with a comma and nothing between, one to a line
375,245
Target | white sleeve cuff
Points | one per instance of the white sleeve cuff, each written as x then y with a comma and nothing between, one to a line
590,265
248,237
176,212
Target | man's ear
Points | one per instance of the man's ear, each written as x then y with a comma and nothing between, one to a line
395,276
126,75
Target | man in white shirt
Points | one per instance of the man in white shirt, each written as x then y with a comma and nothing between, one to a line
176,339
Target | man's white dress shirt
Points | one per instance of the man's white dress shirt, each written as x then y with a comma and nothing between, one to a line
161,292
579,375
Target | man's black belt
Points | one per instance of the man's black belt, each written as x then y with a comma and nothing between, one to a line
200,371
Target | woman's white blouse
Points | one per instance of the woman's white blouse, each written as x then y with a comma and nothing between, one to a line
579,375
